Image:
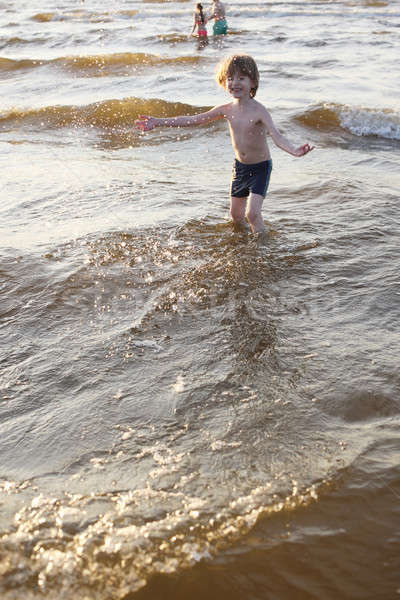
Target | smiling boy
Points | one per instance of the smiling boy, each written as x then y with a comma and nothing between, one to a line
249,123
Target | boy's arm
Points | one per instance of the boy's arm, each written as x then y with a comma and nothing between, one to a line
283,142
146,122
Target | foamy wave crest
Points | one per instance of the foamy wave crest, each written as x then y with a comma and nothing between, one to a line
114,555
369,121
359,121
110,114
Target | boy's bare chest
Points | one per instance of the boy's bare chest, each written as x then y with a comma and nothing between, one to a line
246,124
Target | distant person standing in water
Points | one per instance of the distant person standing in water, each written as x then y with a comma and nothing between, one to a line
220,26
200,23
249,124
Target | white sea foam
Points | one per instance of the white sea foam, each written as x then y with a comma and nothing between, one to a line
369,121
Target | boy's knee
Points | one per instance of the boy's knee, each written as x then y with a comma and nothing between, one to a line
252,215
236,214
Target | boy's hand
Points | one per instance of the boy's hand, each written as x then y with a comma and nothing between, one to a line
145,123
302,150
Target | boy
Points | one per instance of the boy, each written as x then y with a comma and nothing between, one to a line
249,122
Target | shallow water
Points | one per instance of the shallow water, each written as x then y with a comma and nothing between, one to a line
186,412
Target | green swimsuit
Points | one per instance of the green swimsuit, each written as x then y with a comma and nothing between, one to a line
220,27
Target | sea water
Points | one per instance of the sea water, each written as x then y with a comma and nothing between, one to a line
185,412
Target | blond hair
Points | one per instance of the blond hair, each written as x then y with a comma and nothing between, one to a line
238,62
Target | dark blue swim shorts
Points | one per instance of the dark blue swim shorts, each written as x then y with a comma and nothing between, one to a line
250,178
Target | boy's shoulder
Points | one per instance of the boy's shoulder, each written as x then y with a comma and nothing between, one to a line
261,111
257,105
224,109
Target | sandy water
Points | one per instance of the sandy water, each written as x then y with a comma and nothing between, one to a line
185,413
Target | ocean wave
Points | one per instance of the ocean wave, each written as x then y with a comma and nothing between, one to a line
102,62
18,41
359,121
82,15
177,38
44,17
55,543
108,114
99,64
161,1
9,64
171,38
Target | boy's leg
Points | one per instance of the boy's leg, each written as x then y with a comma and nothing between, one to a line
253,212
238,211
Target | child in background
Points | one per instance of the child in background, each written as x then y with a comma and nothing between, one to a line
200,22
249,123
220,26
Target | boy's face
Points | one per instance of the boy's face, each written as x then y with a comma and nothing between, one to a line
239,85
